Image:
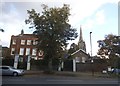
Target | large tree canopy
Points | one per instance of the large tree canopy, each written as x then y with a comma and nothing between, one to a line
53,29
110,46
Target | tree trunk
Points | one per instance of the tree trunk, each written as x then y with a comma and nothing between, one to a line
50,65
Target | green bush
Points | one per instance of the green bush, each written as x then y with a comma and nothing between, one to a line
9,62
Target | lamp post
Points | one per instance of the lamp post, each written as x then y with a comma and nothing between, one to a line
91,54
90,43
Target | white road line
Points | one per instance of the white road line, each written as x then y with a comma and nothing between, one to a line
64,80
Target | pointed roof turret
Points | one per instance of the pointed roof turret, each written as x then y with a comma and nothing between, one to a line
81,37
81,43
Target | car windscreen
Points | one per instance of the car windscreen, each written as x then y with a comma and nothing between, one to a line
12,67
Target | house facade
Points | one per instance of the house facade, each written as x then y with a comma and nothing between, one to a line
80,56
24,45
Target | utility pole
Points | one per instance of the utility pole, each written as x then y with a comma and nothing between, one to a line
90,43
91,54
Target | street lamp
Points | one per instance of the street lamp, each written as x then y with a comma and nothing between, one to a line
91,54
91,43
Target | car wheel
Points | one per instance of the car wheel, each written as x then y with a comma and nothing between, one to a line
15,74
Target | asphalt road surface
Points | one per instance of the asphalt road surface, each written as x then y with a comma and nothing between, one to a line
60,80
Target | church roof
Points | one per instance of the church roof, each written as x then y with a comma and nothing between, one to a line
79,51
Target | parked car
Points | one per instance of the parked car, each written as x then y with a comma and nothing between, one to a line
116,70
8,70
105,71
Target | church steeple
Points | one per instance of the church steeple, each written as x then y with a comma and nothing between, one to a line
81,37
81,43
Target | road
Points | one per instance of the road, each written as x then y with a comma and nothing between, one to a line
48,79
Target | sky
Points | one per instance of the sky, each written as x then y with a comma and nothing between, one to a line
97,16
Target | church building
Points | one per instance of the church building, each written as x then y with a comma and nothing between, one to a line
80,55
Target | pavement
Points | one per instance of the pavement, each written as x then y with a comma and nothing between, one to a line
70,74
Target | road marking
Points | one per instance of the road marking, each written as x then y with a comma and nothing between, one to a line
64,80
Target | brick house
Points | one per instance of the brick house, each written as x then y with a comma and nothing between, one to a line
5,52
24,45
80,56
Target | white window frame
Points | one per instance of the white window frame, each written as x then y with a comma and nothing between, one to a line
14,41
27,51
83,59
21,51
22,42
77,59
12,50
35,42
28,42
34,51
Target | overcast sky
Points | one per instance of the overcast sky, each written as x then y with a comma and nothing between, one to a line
97,16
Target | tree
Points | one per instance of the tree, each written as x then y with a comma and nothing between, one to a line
74,47
110,46
52,29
